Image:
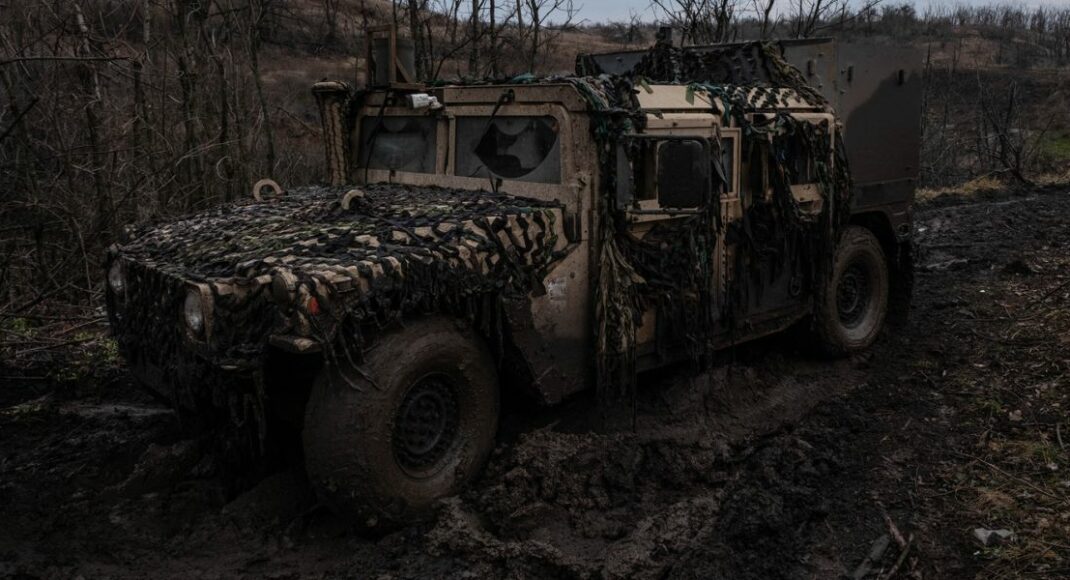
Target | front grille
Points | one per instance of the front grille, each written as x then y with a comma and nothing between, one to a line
149,324
146,317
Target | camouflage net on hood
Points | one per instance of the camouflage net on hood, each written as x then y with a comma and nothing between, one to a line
672,266
305,264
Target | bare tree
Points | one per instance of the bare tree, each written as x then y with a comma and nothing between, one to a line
1007,144
330,19
701,21
474,33
492,38
545,20
258,10
627,33
421,38
763,10
809,17
167,111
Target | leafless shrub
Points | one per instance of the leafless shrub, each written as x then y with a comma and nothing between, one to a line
700,21
114,119
625,33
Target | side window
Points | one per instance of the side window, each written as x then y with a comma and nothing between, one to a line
646,174
683,173
398,143
663,173
800,164
515,148
754,175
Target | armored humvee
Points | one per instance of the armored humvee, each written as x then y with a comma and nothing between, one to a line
542,235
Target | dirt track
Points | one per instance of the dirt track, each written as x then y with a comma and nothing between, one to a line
775,465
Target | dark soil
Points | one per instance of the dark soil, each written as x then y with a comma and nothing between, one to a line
774,465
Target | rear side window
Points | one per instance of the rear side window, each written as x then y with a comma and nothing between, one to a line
398,143
799,162
513,148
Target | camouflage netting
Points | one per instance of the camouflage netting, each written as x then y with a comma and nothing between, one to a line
400,250
672,267
394,251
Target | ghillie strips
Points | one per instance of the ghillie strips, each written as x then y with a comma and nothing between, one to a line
672,266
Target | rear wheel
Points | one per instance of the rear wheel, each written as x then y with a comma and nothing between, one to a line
414,423
850,312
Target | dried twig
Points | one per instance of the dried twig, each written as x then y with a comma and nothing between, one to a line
62,59
1032,485
876,552
893,530
899,561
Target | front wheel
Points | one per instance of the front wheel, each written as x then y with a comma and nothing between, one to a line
849,313
414,423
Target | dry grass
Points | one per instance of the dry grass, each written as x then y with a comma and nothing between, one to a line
983,184
1017,474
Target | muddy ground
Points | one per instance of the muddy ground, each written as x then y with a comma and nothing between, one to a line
775,465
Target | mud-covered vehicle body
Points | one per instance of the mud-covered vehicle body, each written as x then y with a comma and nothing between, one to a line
546,236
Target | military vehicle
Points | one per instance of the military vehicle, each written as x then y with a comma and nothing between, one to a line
544,236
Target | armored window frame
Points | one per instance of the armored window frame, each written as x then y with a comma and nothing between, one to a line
637,174
552,174
429,166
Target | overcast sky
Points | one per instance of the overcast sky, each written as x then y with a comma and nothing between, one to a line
605,10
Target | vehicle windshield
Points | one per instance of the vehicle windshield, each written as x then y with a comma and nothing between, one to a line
513,148
518,148
399,143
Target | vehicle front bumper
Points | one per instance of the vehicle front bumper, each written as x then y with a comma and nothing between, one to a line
147,322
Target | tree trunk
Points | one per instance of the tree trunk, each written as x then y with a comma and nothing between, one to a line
535,26
91,92
256,14
473,31
493,34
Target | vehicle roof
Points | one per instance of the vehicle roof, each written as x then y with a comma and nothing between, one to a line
650,96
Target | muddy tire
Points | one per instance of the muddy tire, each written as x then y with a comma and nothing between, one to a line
850,313
415,423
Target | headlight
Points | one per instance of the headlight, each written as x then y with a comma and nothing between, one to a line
283,286
115,278
193,311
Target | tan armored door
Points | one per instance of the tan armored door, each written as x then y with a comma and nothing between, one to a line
763,285
676,180
642,220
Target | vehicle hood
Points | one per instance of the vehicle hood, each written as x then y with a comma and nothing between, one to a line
318,258
309,229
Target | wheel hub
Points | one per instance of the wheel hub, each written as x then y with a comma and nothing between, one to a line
852,295
426,423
